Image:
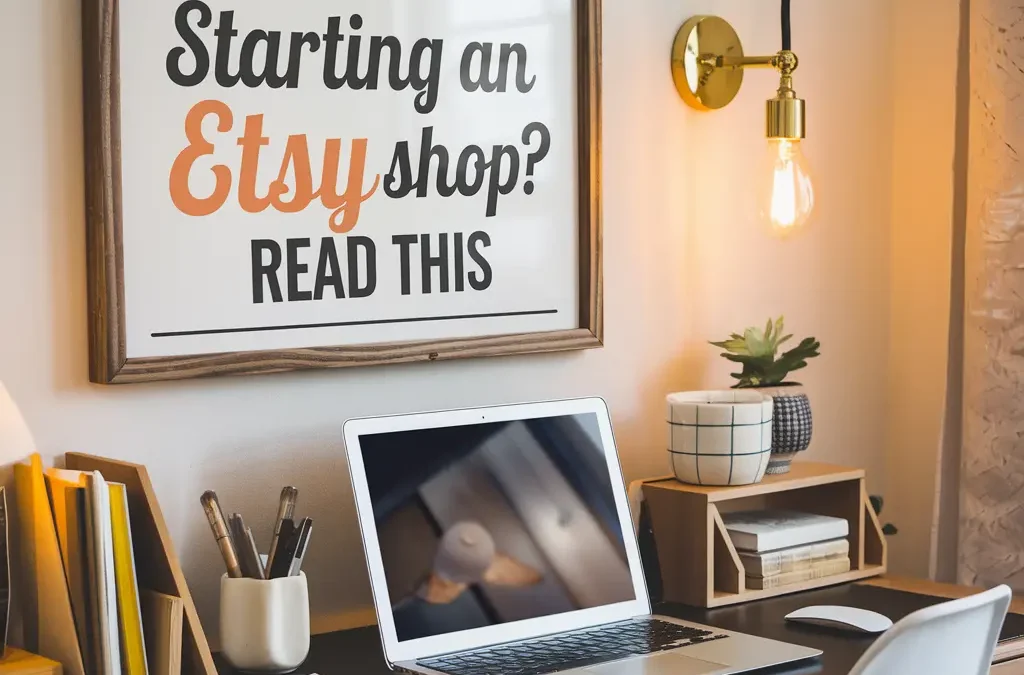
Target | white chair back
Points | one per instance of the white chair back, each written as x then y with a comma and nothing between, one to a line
954,638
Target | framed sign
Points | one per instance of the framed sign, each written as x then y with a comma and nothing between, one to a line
277,185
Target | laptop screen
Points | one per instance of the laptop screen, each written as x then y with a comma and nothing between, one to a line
493,523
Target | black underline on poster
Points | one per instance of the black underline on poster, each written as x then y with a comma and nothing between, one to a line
345,324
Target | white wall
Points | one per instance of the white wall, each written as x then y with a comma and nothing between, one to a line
832,282
924,64
685,262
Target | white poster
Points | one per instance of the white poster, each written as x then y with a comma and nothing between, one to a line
346,172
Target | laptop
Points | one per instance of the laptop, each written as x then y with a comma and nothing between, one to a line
499,542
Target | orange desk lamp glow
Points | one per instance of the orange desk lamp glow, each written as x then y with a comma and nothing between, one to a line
707,66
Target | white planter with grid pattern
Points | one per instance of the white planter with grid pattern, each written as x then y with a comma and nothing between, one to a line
719,437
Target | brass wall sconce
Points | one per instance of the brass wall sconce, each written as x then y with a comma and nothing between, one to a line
708,64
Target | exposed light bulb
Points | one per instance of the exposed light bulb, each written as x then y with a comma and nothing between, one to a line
788,198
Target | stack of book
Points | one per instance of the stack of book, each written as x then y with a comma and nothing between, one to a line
784,548
90,568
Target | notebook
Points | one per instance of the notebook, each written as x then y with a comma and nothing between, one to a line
772,530
163,617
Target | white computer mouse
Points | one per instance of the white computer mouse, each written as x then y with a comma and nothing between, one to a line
844,618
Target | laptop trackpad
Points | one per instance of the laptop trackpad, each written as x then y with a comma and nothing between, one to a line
662,664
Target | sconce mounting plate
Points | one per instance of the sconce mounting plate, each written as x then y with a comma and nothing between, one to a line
699,44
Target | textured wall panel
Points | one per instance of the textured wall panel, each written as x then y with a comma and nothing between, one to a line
992,500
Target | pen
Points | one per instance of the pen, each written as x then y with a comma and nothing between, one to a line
258,563
237,530
286,550
300,549
220,532
260,572
248,556
285,511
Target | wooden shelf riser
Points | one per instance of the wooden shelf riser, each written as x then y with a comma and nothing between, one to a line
701,567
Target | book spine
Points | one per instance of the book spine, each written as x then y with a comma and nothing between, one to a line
92,583
780,562
788,538
794,559
820,571
743,541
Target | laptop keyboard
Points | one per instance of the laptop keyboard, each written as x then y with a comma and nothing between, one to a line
573,650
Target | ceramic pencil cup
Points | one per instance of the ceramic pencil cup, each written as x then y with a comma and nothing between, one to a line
264,625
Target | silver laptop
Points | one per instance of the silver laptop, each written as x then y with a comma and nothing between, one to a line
499,542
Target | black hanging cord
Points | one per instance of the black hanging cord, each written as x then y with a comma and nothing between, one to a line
787,37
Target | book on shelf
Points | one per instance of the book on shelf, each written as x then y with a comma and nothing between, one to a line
771,530
129,611
93,529
825,568
61,489
99,543
66,490
163,617
49,622
793,559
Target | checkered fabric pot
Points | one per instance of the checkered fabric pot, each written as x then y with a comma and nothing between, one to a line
792,427
719,437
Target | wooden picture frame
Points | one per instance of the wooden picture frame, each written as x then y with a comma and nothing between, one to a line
109,360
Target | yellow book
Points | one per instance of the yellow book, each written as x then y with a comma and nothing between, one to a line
67,501
49,622
129,612
58,482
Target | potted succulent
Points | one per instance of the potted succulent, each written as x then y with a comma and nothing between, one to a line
766,371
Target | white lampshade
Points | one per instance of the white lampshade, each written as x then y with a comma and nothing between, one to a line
16,442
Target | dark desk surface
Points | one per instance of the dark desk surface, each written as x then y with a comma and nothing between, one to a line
358,652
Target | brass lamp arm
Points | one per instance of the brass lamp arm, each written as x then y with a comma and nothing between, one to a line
784,61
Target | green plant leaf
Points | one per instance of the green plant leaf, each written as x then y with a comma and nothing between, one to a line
889,530
759,344
877,502
758,352
735,345
793,367
807,348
